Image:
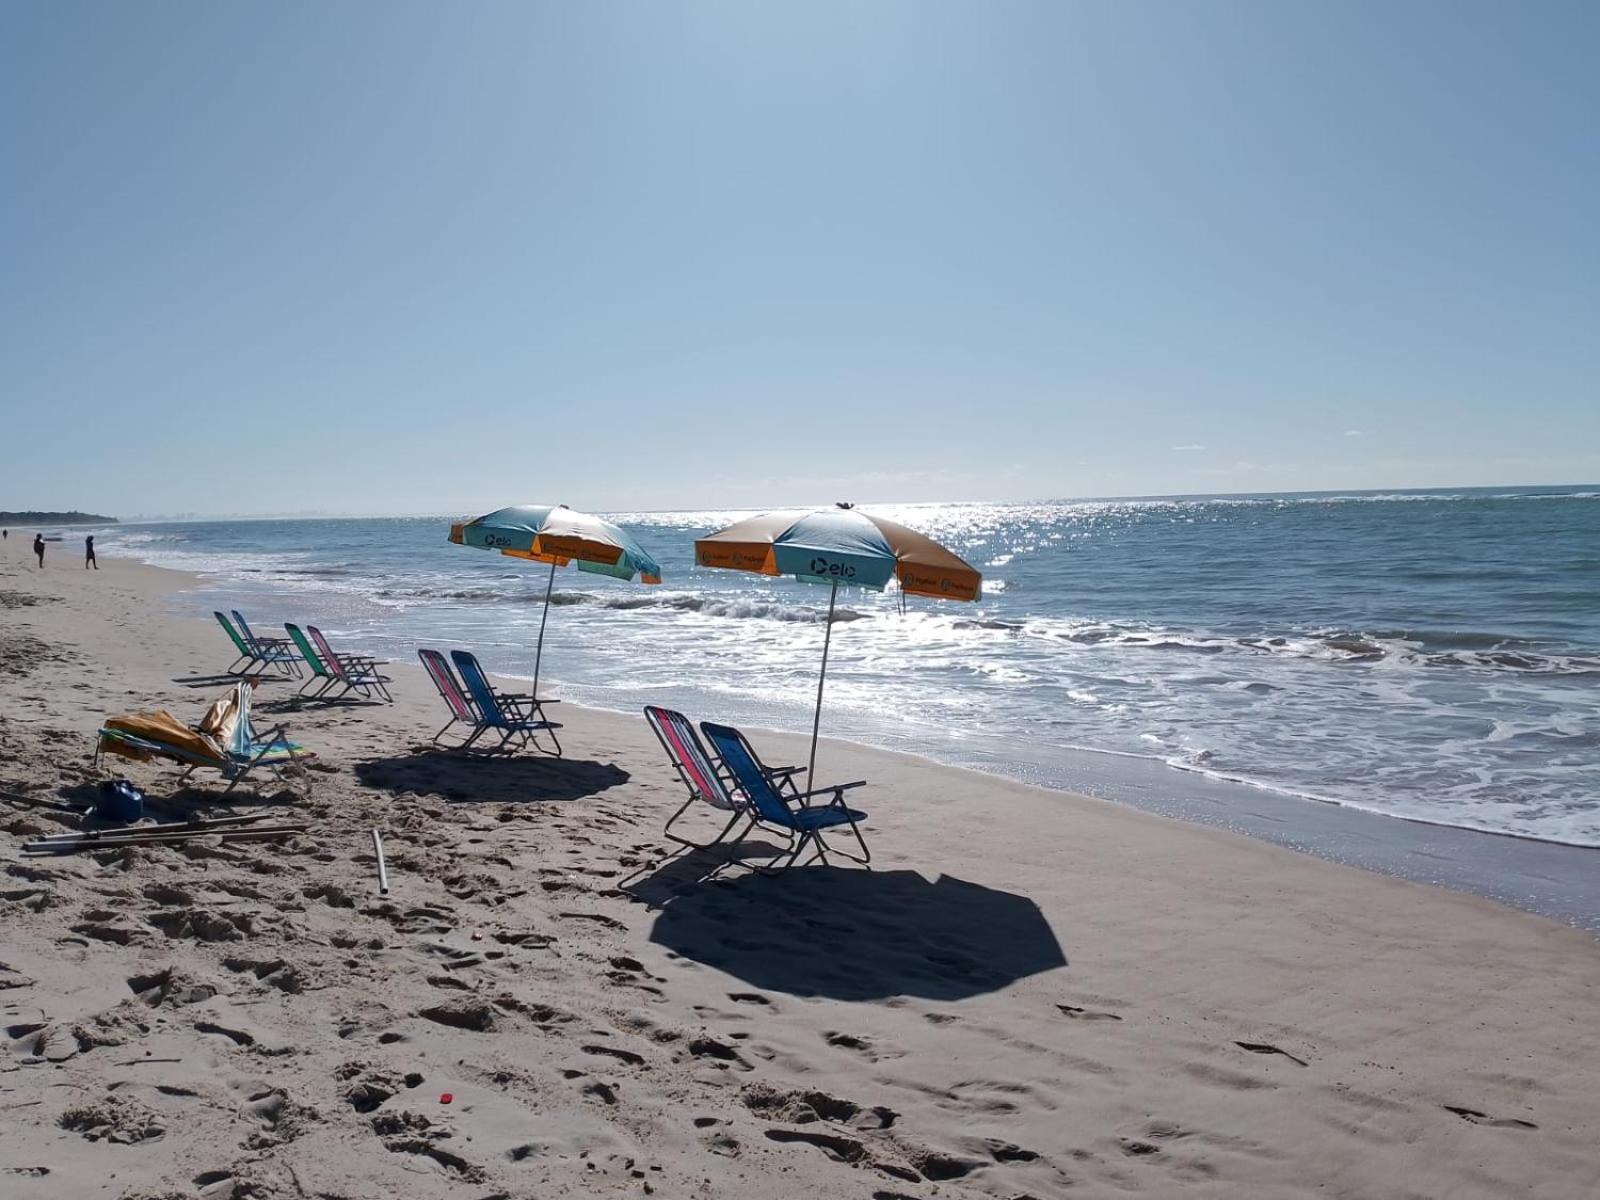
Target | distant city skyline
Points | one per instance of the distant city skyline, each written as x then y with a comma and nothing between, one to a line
398,258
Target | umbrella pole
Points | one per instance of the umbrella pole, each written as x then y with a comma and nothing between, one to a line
538,655
816,721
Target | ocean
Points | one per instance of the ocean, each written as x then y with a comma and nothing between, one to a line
1426,654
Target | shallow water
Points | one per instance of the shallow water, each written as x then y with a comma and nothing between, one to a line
1425,654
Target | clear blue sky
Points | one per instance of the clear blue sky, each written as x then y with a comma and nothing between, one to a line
391,257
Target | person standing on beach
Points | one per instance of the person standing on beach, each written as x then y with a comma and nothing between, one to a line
38,548
88,554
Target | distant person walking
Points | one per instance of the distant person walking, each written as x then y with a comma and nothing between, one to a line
38,548
88,553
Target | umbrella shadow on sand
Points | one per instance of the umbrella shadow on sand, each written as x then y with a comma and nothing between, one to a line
854,934
462,779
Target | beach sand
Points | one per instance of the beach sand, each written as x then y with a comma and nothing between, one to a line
1033,994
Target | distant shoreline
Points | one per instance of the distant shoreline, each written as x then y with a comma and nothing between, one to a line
55,518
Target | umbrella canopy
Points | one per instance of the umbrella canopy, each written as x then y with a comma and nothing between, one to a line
839,546
558,535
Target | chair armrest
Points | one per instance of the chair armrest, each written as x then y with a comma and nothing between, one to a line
836,789
513,705
522,698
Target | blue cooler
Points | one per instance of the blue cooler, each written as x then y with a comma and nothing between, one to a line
120,801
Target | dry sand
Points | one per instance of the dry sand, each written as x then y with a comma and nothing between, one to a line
1034,994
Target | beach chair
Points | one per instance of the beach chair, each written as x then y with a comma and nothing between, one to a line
519,719
793,816
356,671
328,670
319,674
454,695
252,657
707,779
699,774
270,651
247,653
224,740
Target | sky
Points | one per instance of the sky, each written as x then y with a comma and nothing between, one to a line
418,258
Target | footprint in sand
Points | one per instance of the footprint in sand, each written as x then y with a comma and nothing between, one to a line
720,1052
859,1045
167,987
123,1123
718,1141
802,1107
616,1052
1480,1118
214,1184
1088,1014
597,918
273,972
1267,1048
453,1164
237,1036
835,1146
475,1015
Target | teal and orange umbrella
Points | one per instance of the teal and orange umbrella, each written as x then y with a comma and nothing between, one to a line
558,535
840,546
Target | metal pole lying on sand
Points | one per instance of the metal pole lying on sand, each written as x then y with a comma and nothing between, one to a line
383,872
95,842
816,721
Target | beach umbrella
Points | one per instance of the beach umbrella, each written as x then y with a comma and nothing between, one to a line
841,547
558,535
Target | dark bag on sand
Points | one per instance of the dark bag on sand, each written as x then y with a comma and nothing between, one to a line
119,801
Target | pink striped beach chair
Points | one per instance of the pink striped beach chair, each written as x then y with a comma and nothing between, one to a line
454,696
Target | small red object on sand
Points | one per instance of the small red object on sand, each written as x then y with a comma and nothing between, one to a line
445,1098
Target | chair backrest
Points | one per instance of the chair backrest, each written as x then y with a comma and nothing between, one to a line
478,687
233,635
313,660
244,627
439,671
735,755
329,658
683,747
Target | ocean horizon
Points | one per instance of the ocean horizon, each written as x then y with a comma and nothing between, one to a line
1423,653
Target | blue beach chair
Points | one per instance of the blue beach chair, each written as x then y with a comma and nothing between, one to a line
792,815
519,719
254,657
276,652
